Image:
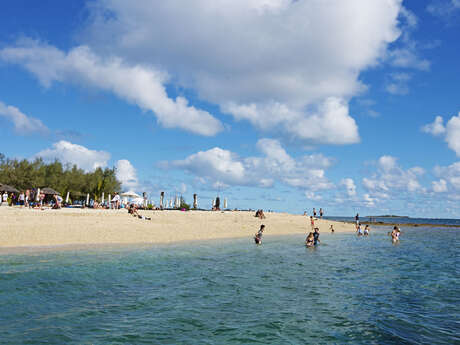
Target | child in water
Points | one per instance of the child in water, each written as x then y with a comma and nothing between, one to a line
366,230
258,235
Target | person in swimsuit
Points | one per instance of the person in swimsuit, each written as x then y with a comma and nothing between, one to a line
321,213
332,228
359,230
316,237
366,230
312,222
258,235
310,240
395,234
314,212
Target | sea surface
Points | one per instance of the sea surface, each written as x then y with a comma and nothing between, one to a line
401,220
348,290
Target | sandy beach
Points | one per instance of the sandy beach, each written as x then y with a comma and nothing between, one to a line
20,227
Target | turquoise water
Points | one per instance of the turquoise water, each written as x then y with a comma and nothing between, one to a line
348,290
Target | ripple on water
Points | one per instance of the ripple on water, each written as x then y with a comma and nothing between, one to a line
347,291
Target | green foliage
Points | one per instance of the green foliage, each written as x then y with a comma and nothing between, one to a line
183,204
24,174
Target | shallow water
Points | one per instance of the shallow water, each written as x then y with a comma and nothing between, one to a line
348,290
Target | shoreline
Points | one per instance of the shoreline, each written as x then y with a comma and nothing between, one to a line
32,228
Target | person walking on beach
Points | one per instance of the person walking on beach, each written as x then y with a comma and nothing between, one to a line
312,222
314,212
321,213
116,201
258,235
332,228
357,220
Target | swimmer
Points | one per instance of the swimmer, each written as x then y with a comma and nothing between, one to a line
332,228
316,237
258,235
395,234
309,241
366,230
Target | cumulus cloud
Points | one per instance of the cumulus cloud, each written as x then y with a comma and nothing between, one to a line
451,131
272,63
83,157
450,175
443,8
390,178
224,168
435,128
138,84
126,174
439,186
350,186
23,124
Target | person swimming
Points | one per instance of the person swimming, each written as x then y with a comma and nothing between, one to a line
258,235
310,240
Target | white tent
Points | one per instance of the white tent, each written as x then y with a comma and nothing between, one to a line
137,201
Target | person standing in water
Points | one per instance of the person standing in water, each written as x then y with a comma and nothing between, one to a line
316,237
310,240
258,235
366,230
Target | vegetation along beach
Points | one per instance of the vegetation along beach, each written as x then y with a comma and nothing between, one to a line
229,172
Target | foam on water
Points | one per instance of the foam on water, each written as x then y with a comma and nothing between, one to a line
349,290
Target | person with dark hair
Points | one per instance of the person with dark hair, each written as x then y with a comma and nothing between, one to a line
310,240
258,235
316,237
321,213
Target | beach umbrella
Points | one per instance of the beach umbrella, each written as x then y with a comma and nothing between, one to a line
213,203
87,199
8,189
49,191
225,203
38,194
67,198
130,194
170,203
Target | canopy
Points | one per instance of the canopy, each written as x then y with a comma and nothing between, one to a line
8,189
130,194
137,201
47,190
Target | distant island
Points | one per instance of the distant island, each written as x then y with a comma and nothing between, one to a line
388,216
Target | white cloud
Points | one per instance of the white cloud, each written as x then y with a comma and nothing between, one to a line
450,174
439,186
349,185
443,8
127,174
23,124
451,131
138,84
67,152
391,180
224,168
435,128
397,84
268,62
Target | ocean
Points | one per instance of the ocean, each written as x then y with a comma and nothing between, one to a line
348,290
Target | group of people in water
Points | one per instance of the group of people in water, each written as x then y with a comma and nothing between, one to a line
313,237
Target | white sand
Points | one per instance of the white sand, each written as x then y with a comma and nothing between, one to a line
20,227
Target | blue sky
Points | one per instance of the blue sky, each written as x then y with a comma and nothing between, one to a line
350,106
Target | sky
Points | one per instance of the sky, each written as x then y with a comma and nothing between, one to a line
351,106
